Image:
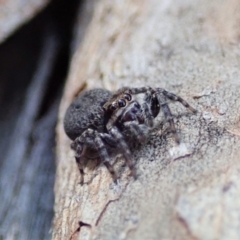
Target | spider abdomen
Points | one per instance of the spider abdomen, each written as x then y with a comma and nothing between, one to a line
86,112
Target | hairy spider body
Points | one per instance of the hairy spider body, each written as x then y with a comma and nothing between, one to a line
100,120
86,112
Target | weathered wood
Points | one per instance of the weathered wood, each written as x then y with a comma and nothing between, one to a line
27,162
16,13
189,191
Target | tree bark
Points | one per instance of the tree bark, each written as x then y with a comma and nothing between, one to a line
186,191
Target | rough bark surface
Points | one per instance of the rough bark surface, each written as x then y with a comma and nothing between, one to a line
186,191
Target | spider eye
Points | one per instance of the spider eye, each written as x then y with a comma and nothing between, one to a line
113,107
127,96
121,103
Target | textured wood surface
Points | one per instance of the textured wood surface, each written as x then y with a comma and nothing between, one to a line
186,191
34,64
27,160
14,14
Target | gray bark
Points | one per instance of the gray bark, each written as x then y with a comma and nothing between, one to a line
186,191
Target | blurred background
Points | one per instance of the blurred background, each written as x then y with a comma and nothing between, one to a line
36,39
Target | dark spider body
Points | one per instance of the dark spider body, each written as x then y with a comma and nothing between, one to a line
100,120
86,112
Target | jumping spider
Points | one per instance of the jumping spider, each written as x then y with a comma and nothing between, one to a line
100,121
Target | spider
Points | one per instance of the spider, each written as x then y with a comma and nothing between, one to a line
99,121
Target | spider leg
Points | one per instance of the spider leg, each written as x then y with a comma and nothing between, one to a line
150,91
80,168
79,152
123,146
108,139
135,91
169,117
93,139
176,98
139,131
148,114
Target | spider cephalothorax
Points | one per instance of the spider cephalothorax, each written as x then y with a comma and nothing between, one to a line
100,120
